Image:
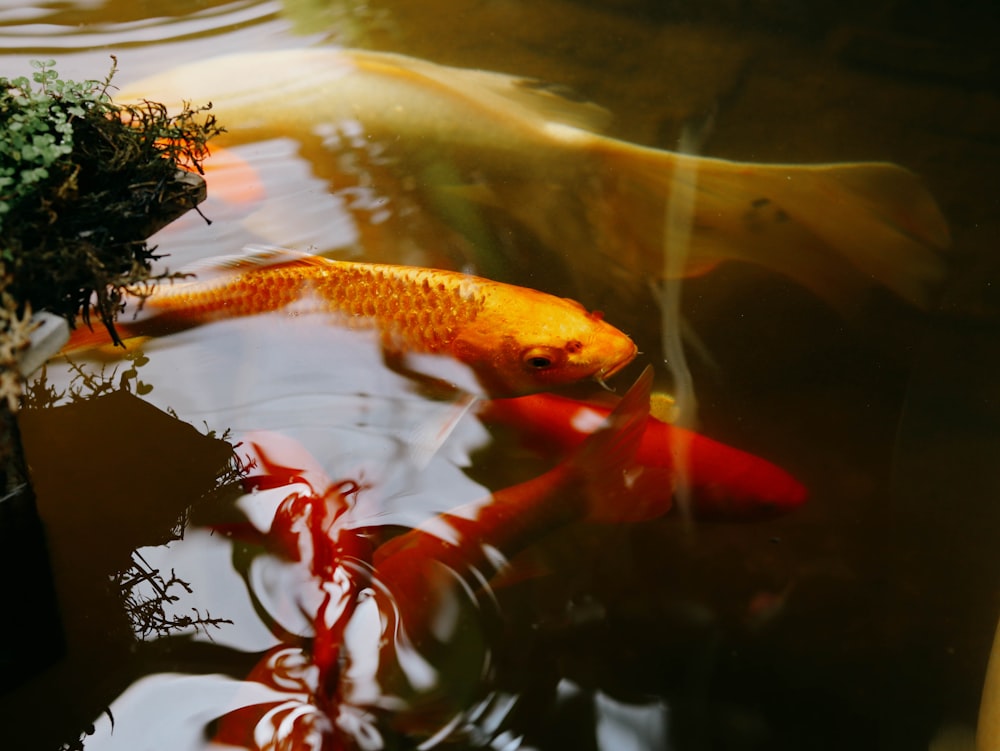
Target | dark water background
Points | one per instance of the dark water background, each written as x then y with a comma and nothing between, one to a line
861,621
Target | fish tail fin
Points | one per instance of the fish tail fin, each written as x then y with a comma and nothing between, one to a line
728,483
837,229
88,338
616,487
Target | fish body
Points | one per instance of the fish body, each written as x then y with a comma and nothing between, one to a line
988,728
428,579
513,145
724,482
600,480
515,339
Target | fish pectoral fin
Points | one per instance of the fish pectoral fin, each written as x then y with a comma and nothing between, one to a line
426,439
444,379
617,488
643,493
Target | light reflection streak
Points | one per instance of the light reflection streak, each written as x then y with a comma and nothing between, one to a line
194,702
55,37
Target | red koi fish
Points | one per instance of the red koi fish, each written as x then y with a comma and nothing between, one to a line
319,704
232,178
594,482
419,572
725,482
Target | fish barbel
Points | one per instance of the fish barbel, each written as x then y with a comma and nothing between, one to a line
516,340
499,141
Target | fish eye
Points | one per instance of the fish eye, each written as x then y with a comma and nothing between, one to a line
540,358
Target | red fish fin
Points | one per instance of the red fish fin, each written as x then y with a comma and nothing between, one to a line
618,489
644,493
527,565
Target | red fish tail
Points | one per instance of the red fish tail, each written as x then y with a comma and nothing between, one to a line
724,482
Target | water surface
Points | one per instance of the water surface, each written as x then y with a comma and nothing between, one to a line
862,620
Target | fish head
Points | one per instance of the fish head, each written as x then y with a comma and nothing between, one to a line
542,343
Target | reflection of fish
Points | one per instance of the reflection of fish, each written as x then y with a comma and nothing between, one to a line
504,142
724,482
516,340
423,576
368,640
290,718
232,178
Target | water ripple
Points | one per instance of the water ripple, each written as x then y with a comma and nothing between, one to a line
17,35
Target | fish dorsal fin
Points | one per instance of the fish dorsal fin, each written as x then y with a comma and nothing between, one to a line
253,257
534,97
550,101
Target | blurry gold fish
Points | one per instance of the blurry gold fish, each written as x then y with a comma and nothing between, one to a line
986,736
516,340
512,144
988,731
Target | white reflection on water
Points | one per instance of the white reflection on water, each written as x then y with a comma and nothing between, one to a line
204,560
55,37
168,711
285,205
328,389
319,399
81,39
625,726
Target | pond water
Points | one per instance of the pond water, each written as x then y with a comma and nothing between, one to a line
862,619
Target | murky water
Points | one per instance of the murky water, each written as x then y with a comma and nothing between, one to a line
861,620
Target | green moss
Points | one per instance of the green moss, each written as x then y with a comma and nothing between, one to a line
83,182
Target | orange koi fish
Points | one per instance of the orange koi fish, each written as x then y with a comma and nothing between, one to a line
516,340
724,482
502,142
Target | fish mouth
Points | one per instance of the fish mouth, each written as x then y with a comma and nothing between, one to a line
610,370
